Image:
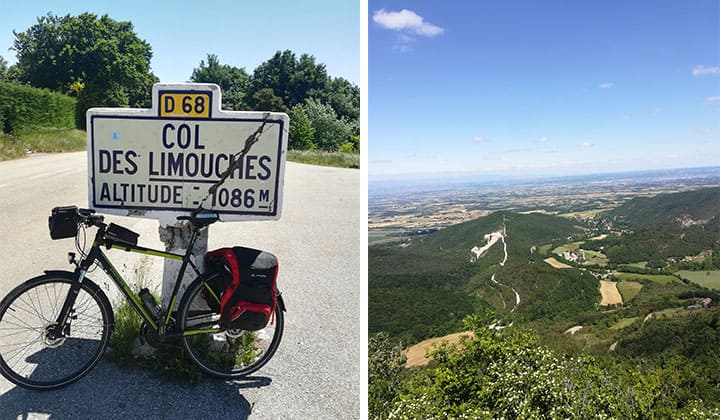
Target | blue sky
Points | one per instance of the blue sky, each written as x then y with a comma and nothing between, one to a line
240,33
524,88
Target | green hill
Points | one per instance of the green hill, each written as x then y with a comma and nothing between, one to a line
425,288
662,362
673,211
665,226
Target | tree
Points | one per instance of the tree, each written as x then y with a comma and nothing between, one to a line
330,132
266,100
343,97
324,112
385,366
3,68
232,80
104,55
301,130
293,80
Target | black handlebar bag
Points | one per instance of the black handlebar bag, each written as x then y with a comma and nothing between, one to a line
243,284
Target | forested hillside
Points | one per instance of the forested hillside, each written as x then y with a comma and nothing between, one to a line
545,345
665,226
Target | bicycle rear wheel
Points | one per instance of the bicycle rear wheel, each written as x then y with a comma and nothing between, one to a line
29,357
224,353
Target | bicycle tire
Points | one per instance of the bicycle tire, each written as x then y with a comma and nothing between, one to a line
225,354
28,357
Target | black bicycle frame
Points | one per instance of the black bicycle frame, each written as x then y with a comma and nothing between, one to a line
96,254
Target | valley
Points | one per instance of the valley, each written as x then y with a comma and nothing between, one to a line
398,210
623,268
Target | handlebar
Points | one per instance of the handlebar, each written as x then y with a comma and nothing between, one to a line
198,219
88,217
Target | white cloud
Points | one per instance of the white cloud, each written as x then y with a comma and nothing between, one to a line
701,70
406,20
543,139
586,144
713,99
606,85
481,140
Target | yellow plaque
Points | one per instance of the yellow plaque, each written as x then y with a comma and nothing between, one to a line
185,104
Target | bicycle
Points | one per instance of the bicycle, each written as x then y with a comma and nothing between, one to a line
55,328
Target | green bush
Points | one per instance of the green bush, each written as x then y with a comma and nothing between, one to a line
25,106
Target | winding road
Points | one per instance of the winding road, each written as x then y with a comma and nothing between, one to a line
501,234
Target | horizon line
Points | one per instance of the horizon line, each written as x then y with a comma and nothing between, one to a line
416,176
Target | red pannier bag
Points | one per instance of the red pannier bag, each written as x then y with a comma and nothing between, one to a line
244,290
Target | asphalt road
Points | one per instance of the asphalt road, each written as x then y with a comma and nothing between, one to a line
315,372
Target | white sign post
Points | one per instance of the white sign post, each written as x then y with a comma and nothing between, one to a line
161,162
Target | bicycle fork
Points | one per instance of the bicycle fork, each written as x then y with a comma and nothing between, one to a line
59,329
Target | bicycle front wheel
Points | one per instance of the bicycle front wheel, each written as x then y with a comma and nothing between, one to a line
29,355
220,352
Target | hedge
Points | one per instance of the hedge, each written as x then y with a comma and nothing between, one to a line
25,106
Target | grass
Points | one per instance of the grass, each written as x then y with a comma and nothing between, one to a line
629,289
314,157
657,278
384,235
544,249
54,140
41,139
709,279
571,247
11,147
641,264
594,257
168,360
625,322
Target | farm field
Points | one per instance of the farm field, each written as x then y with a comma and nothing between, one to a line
416,354
556,264
657,278
572,247
609,292
588,214
384,235
709,279
544,249
594,257
641,264
629,289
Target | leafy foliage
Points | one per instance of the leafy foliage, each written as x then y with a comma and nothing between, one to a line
509,374
3,68
324,111
330,132
302,132
292,79
25,106
232,80
385,367
106,56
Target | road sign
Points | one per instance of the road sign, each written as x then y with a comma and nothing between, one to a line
164,160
